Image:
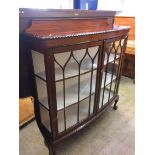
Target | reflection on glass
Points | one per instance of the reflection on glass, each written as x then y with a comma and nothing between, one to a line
39,70
110,77
75,85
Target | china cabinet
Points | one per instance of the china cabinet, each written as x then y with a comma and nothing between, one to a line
76,59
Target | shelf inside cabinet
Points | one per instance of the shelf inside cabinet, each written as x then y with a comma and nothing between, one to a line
73,72
111,58
107,93
71,112
72,93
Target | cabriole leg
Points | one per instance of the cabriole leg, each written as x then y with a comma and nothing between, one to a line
51,149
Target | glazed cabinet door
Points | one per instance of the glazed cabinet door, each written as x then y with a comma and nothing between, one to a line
75,71
75,81
111,69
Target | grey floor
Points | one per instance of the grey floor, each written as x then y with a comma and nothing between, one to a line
112,134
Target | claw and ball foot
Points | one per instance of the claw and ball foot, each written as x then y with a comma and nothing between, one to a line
51,150
45,143
52,153
115,107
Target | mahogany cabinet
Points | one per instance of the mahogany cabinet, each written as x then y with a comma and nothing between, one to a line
76,66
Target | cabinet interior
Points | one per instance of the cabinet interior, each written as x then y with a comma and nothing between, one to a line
75,81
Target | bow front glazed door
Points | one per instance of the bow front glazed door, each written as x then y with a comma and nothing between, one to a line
74,82
111,70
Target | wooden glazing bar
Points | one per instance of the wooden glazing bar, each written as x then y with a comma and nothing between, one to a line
43,106
92,60
90,83
79,65
122,61
40,77
78,83
117,74
78,93
90,91
75,75
64,92
108,54
101,56
113,67
64,95
105,79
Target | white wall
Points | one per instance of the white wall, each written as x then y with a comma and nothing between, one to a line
53,4
126,7
115,5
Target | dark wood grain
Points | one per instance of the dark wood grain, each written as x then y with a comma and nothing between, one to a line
25,20
55,28
70,28
51,91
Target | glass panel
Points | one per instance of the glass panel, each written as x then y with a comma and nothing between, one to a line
39,71
113,56
70,91
61,120
38,62
42,91
71,113
75,85
45,117
39,68
104,97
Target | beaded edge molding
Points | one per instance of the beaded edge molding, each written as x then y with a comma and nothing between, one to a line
50,36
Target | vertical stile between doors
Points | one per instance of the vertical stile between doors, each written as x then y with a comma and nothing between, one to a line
99,76
106,68
113,66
